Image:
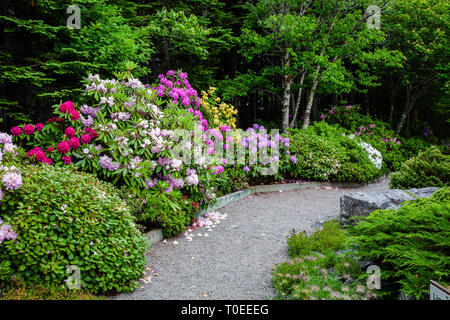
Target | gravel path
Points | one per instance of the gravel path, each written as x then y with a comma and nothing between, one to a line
235,260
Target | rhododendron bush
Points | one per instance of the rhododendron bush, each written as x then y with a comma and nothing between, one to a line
151,139
125,135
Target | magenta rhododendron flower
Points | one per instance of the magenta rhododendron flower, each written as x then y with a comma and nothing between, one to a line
39,126
93,134
74,143
66,159
50,149
28,129
74,115
40,156
85,138
66,107
69,132
63,147
16,131
217,169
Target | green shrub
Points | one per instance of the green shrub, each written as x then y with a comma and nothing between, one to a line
66,218
171,211
324,152
317,158
378,134
329,237
231,180
431,168
411,245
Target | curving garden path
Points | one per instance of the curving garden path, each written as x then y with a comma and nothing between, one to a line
235,260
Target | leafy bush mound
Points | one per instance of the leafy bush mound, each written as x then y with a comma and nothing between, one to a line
378,134
320,268
329,237
317,158
324,152
67,218
430,168
411,245
172,212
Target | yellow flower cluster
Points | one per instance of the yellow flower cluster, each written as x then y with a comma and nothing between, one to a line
218,113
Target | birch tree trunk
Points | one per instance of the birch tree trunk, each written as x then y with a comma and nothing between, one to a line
286,102
299,99
312,93
287,83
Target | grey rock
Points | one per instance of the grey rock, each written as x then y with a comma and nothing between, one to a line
362,204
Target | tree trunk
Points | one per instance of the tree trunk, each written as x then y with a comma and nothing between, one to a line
286,102
408,106
401,122
287,83
312,93
297,104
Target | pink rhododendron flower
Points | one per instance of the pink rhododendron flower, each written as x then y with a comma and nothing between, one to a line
217,169
39,126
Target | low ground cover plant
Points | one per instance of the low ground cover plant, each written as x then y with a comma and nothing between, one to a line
20,291
411,245
320,268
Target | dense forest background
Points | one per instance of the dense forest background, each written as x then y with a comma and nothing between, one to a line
280,62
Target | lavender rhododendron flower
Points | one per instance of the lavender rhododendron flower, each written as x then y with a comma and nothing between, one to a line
5,138
6,232
107,163
12,180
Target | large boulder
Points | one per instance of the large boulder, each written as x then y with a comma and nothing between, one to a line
362,204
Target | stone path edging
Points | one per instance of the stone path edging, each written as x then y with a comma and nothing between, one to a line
155,235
